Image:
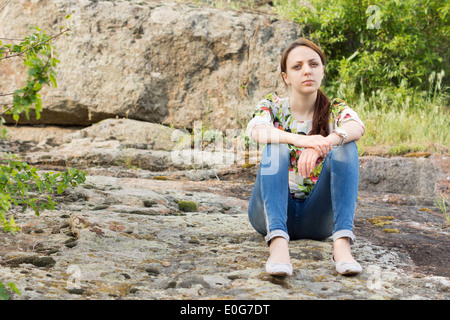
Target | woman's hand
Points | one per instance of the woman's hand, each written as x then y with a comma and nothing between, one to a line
317,142
307,161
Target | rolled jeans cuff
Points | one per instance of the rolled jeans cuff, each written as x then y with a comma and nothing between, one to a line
276,233
344,234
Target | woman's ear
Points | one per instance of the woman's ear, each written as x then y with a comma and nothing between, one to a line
284,76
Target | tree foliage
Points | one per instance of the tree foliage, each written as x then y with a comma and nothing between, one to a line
23,186
378,43
40,58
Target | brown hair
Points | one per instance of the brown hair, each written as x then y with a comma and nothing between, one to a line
322,108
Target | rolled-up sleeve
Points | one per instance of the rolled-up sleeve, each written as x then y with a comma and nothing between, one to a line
346,114
262,114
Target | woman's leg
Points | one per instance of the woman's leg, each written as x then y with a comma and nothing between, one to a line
267,208
330,208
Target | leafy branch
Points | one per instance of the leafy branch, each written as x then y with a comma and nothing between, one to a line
40,59
23,186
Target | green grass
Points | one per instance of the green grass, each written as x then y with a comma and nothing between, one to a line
423,127
409,121
442,205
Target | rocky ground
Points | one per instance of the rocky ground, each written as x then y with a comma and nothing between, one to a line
157,217
126,234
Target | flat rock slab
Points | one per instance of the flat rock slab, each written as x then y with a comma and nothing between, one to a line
126,238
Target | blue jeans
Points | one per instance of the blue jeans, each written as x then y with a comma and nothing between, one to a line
328,210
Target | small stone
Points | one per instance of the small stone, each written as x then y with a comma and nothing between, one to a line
152,271
100,207
71,243
194,240
193,280
149,203
126,275
76,290
165,264
171,284
42,262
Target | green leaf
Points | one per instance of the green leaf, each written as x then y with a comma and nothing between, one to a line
4,295
37,86
17,48
53,81
13,287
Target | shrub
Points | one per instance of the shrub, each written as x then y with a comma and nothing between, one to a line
376,44
20,184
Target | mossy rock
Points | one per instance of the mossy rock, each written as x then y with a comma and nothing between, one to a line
160,178
391,230
187,206
248,165
381,221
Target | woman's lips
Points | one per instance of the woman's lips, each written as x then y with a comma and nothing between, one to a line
308,81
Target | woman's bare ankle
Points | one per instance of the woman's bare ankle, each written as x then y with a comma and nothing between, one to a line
279,250
342,251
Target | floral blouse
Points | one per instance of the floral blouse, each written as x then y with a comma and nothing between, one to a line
275,112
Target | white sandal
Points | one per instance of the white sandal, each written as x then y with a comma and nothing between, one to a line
346,268
279,269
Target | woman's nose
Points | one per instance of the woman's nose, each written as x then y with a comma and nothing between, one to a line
307,70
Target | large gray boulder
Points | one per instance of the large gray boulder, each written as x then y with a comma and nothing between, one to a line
163,62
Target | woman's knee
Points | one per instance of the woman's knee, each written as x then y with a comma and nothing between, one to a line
350,147
345,152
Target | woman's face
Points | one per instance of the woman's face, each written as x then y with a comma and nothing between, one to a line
304,70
